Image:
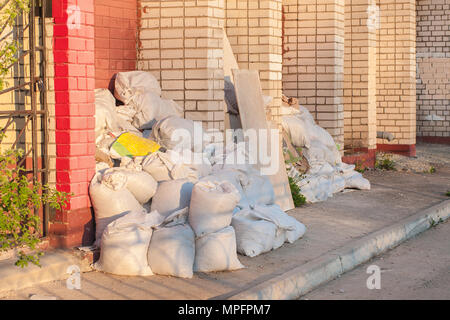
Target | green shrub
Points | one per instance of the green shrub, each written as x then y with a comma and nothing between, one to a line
298,198
9,47
360,167
20,198
385,162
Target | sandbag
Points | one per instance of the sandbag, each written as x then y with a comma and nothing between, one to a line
293,229
172,195
105,116
258,190
126,113
217,252
264,228
296,131
172,248
162,168
151,108
212,205
327,174
253,236
235,177
125,244
111,200
234,156
101,167
356,181
175,133
132,163
337,183
197,162
139,183
128,84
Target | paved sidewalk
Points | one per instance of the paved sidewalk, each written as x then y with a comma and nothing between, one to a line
334,224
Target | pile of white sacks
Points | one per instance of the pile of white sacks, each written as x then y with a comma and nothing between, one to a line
327,173
180,211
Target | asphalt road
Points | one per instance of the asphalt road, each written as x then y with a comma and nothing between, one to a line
417,269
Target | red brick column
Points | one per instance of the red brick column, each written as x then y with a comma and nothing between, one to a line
115,39
74,58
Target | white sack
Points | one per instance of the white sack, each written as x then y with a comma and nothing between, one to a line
327,174
212,205
264,228
151,108
296,131
105,117
111,200
217,252
235,177
253,235
356,181
101,167
103,143
197,162
305,133
175,133
233,156
258,190
132,163
128,84
125,116
172,248
126,113
171,196
293,228
139,183
161,167
125,243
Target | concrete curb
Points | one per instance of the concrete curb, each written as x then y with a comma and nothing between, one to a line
54,266
309,276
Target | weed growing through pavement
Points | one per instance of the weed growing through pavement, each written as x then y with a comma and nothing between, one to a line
385,162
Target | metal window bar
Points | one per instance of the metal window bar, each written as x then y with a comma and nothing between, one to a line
35,85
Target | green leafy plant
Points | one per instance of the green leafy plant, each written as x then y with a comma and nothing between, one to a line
433,223
360,167
292,159
447,193
298,198
9,11
432,169
21,197
385,162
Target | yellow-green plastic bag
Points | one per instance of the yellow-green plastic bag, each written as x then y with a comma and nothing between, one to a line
131,145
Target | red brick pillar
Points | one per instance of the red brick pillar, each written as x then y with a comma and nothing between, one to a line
73,36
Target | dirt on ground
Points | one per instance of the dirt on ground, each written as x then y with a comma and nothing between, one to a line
429,158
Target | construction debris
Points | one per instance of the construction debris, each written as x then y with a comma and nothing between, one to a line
166,196
325,174
253,117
